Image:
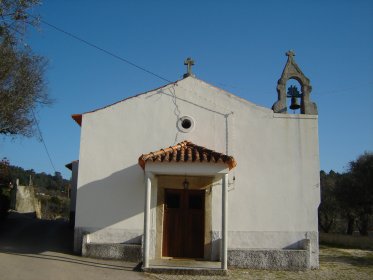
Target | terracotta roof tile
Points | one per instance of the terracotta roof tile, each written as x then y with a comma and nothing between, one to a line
70,165
77,118
186,151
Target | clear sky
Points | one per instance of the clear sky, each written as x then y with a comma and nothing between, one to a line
237,45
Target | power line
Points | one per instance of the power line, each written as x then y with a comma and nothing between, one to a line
42,140
144,69
103,50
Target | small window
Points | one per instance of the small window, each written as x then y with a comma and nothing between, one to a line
185,124
195,201
172,200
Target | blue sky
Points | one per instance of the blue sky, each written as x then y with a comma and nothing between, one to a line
237,45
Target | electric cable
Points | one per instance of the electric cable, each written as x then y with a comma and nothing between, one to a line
42,140
103,50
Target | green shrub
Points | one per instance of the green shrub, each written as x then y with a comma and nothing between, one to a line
53,207
4,202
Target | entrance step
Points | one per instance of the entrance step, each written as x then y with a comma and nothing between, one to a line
185,267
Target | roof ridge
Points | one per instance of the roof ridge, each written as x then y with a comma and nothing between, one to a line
78,117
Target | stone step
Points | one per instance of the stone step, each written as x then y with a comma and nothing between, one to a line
185,271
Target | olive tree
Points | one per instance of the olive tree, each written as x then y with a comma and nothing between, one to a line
22,85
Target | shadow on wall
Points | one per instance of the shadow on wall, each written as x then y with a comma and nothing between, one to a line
299,245
101,204
111,200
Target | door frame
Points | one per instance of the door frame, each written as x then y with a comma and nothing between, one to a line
186,239
176,182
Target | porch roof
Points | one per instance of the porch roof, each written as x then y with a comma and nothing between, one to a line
186,151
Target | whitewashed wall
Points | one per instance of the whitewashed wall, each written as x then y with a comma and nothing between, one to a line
272,201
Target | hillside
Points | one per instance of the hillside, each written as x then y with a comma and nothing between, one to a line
51,191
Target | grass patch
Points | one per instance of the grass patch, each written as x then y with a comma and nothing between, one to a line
335,263
331,257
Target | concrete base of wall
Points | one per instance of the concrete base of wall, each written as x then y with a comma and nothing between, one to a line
303,254
124,252
115,251
253,259
282,241
86,235
275,259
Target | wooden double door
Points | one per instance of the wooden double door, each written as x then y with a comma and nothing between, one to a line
184,223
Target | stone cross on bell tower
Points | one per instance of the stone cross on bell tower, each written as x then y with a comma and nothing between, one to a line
189,62
290,54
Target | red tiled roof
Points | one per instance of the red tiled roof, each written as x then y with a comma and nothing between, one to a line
77,118
186,151
70,165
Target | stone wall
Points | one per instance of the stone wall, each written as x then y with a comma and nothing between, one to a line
26,201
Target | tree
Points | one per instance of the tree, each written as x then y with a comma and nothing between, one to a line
5,179
329,208
362,180
355,193
14,17
22,87
347,200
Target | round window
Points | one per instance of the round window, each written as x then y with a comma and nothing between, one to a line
185,124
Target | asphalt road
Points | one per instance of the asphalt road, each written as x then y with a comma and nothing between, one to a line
40,249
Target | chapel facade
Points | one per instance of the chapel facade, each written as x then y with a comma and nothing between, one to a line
190,171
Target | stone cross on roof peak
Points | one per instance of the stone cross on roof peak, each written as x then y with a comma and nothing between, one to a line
290,54
189,62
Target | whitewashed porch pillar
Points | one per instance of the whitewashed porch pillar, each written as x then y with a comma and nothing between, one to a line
224,223
148,189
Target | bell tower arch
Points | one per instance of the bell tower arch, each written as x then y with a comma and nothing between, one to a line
292,71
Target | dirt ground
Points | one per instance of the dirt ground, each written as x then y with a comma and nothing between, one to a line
40,249
35,249
335,264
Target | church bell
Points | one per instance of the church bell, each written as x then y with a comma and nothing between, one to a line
294,103
294,94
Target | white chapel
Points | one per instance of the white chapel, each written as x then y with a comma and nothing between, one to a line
191,171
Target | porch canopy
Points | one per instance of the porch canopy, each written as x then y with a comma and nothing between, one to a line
186,158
